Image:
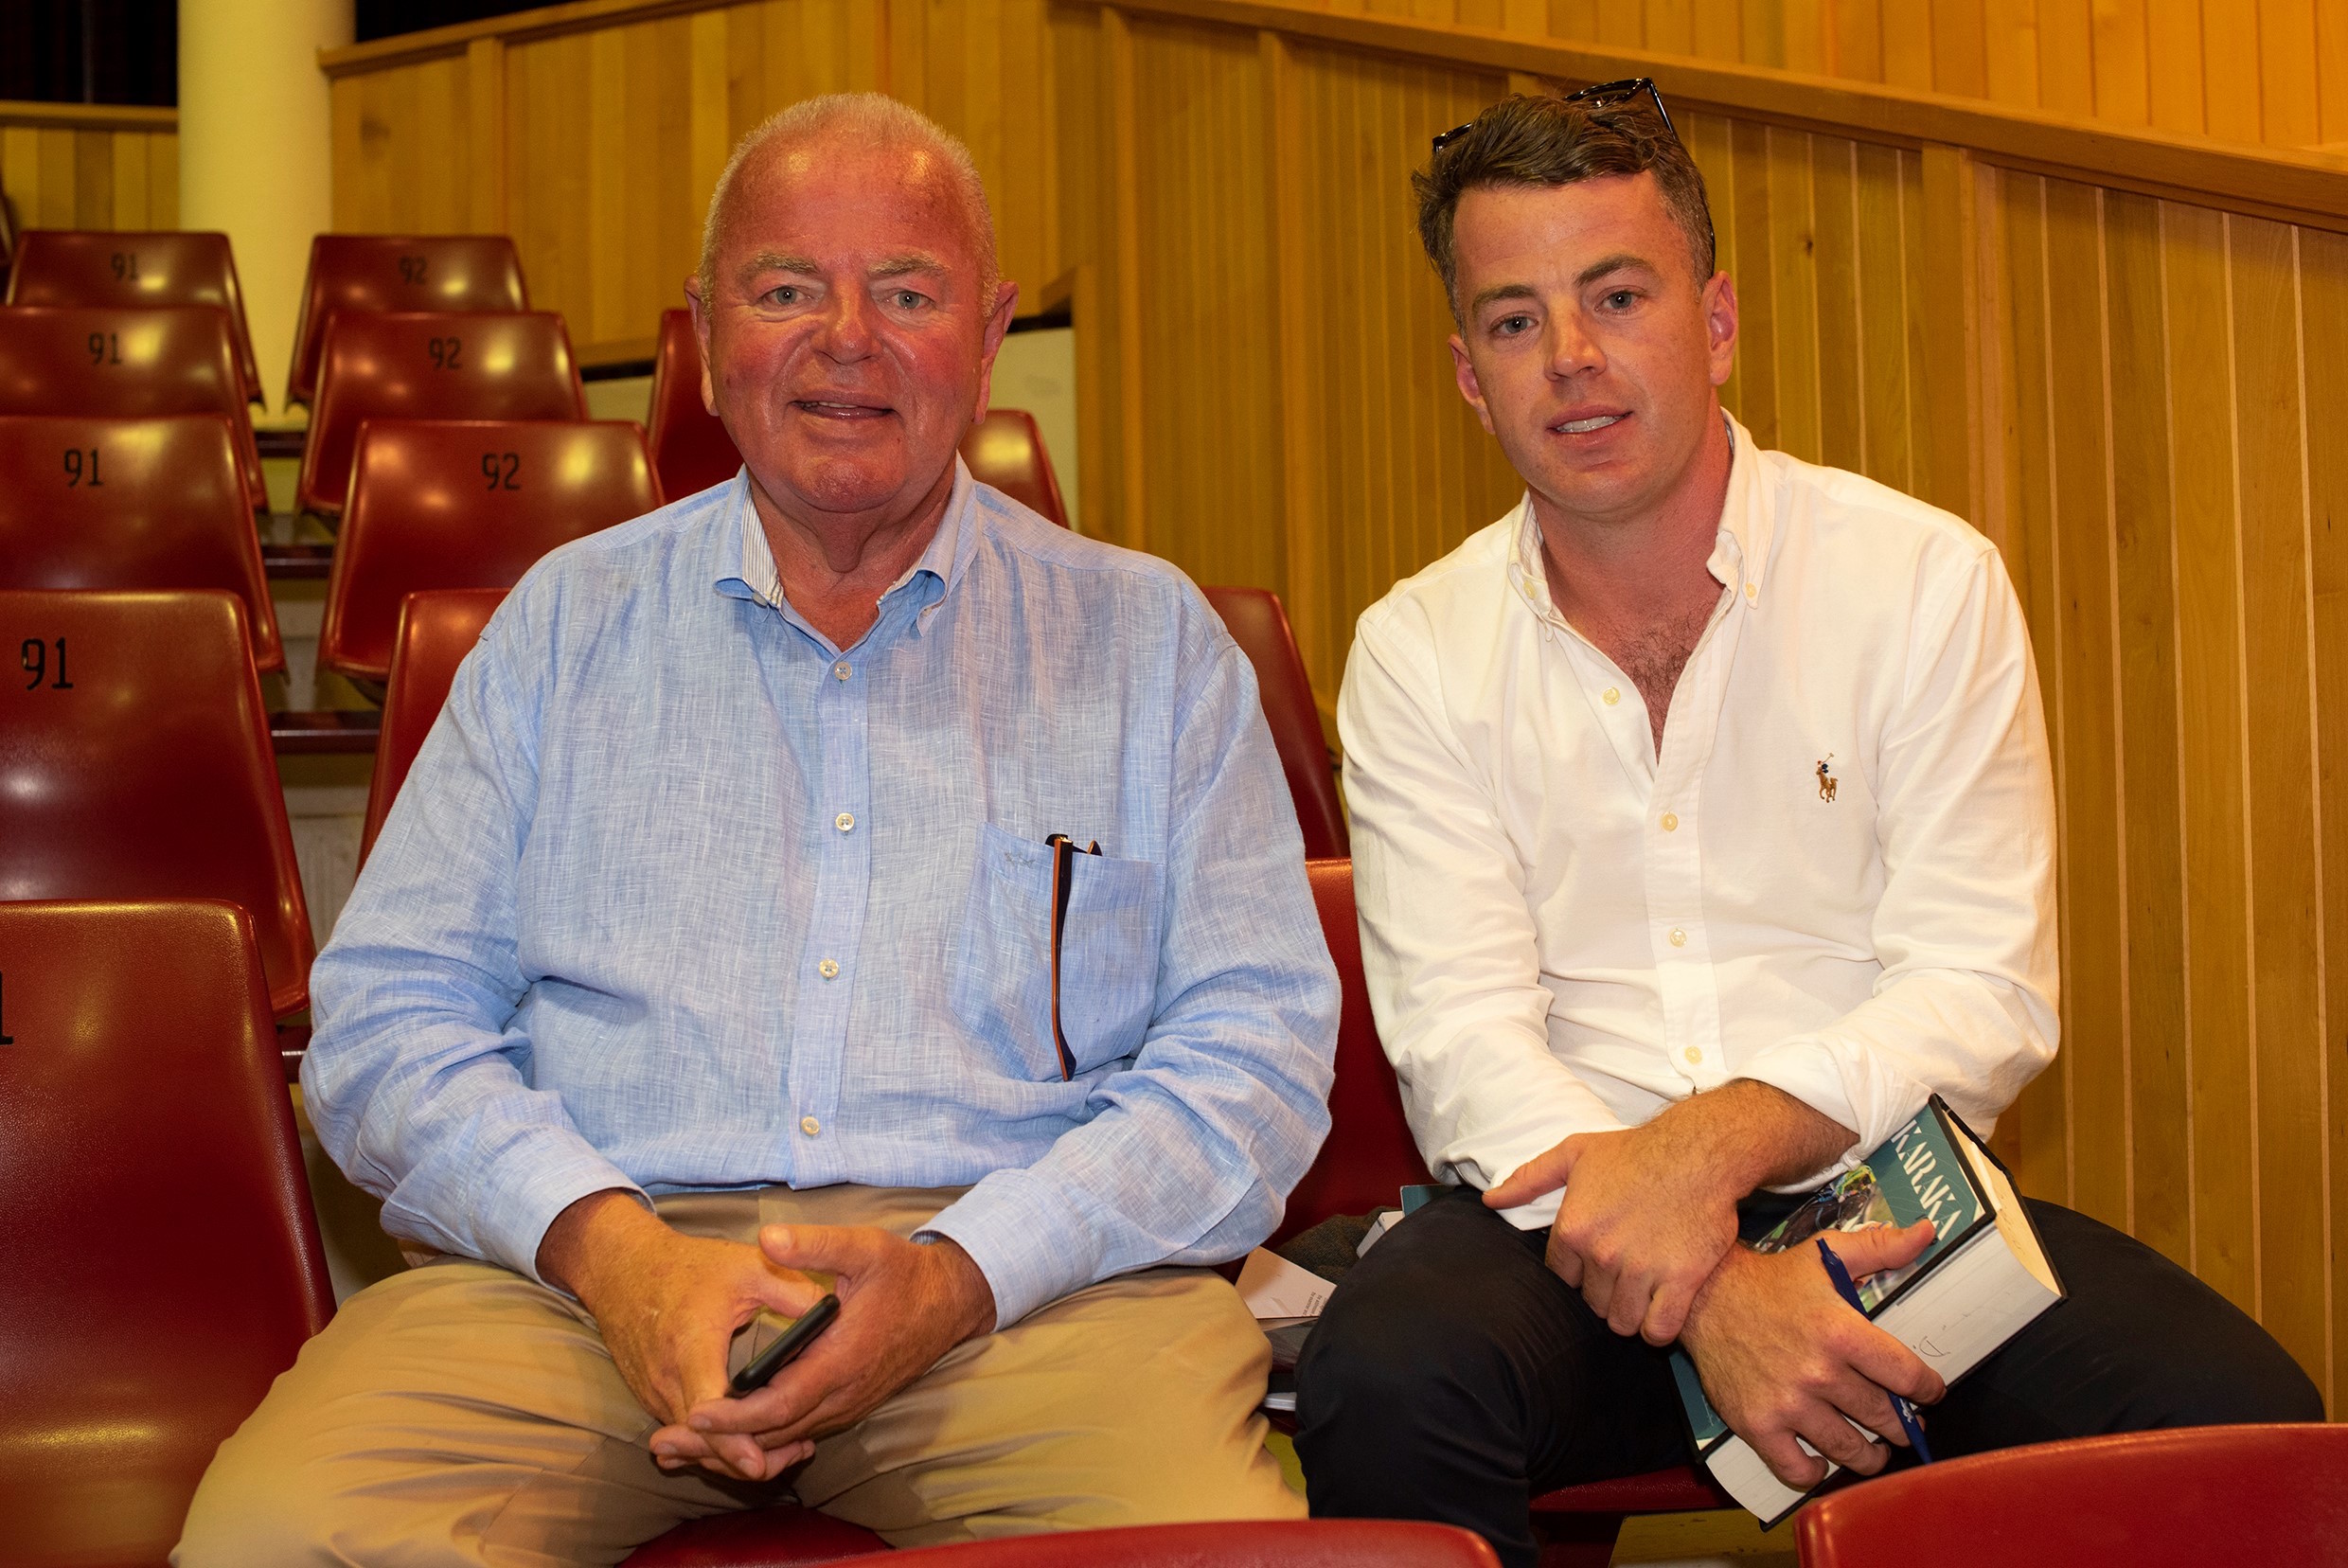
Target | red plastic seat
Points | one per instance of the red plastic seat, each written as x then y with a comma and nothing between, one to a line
431,365
690,448
135,765
437,628
785,1538
2263,1494
426,513
120,267
158,1264
1005,450
399,272
129,362
1260,626
1369,1155
99,502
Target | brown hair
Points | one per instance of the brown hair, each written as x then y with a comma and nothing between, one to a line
1526,141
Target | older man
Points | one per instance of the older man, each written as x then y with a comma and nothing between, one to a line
841,873
1703,828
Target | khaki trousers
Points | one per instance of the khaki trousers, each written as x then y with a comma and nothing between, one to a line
460,1414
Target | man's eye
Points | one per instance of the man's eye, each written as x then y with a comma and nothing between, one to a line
1621,299
787,293
907,299
1512,325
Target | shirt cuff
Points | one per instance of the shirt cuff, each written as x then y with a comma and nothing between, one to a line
529,1186
1842,1084
1025,1236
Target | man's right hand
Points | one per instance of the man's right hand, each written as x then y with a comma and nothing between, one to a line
1783,1357
667,1305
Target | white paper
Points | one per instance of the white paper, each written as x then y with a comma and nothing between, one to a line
1278,1293
1386,1221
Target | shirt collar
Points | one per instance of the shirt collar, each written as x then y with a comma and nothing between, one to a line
940,567
1739,555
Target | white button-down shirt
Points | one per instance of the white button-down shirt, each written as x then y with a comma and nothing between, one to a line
1837,878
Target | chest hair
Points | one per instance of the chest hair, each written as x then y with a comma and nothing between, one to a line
1654,653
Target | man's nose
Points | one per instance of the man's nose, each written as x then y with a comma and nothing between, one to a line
846,329
1572,348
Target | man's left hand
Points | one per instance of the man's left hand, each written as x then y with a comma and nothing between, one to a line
902,1306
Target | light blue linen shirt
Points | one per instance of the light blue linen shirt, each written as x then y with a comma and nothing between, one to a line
680,896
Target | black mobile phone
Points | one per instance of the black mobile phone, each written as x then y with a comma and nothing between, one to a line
784,1351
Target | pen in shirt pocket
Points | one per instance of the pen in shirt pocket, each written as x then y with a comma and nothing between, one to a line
1064,853
1900,1407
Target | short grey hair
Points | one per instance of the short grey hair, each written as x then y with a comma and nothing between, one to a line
871,119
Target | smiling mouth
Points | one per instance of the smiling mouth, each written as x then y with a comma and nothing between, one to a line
820,408
1583,427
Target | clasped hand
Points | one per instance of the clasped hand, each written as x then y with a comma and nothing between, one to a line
1640,1227
668,1306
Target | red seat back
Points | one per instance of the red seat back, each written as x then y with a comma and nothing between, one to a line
431,364
466,504
138,764
2169,1499
1005,450
121,267
96,503
690,448
129,362
1370,1155
1236,1543
437,628
1260,627
399,272
158,1262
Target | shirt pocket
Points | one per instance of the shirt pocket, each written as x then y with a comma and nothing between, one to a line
1001,990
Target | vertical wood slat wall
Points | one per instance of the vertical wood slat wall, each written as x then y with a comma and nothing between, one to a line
2270,71
75,166
2129,394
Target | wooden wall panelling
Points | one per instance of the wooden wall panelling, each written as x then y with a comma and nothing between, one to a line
1793,290
1759,325
2043,1115
1883,317
1406,469
2086,736
1841,372
1217,492
1304,494
77,165
1130,521
2152,845
2278,769
2209,714
406,151
2324,326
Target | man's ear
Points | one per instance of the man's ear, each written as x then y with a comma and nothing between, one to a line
1720,325
998,326
1464,370
700,330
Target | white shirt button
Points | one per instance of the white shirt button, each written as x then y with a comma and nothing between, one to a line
846,821
829,968
809,1126
1612,695
1753,592
840,670
1678,938
1694,1054
1671,822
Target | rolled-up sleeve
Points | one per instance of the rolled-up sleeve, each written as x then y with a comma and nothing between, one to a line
414,1077
1188,1155
1449,943
1965,1004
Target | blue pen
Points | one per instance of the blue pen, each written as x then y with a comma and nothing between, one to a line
1848,1291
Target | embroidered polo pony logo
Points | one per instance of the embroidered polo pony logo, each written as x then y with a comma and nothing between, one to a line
1826,778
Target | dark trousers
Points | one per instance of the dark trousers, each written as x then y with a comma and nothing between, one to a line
1454,1378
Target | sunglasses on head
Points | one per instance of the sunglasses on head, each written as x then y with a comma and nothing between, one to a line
1606,94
